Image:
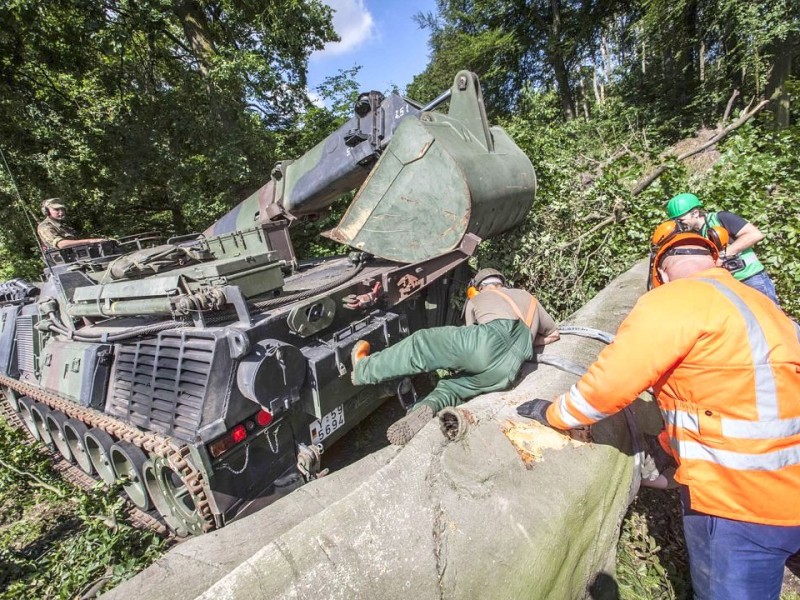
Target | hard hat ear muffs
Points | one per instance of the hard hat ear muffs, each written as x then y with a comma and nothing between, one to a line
666,241
653,276
49,203
719,236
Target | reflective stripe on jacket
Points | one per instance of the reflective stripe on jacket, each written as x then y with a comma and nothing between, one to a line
752,265
724,362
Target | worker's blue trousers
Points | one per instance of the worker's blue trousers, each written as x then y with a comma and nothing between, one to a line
735,560
762,282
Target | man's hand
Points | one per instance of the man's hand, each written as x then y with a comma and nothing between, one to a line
535,409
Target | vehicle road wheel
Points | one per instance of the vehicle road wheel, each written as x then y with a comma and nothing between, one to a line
127,461
54,423
25,404
98,447
12,397
74,434
38,414
160,502
181,513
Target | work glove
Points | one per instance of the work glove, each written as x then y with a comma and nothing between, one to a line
535,409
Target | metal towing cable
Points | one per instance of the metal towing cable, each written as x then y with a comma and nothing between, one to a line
176,456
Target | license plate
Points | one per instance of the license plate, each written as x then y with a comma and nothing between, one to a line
323,428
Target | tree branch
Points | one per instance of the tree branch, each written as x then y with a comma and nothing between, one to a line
728,108
36,481
658,171
616,217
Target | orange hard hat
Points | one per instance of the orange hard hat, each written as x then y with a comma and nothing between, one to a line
668,238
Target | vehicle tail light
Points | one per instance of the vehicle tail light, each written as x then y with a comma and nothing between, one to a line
227,441
263,418
237,434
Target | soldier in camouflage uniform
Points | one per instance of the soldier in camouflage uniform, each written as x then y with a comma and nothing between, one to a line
503,326
53,233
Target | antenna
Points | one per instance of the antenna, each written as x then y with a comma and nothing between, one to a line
25,210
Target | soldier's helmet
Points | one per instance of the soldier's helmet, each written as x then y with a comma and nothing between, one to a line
484,274
51,203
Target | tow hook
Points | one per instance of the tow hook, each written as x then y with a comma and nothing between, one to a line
356,301
309,461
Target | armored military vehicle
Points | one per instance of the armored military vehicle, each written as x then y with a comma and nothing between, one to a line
210,372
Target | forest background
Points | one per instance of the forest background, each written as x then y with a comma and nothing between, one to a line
163,114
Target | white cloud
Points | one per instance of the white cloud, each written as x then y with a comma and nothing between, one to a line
354,24
315,99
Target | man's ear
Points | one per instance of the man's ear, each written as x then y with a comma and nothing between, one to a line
663,274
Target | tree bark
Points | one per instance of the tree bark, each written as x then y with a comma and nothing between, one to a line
702,60
195,28
783,53
644,58
556,60
178,221
201,41
597,99
584,102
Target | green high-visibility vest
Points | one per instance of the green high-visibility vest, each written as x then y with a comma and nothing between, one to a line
751,263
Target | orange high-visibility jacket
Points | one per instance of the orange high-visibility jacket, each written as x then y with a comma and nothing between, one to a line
724,362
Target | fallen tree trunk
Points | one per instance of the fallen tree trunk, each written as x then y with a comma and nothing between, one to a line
507,509
721,133
746,115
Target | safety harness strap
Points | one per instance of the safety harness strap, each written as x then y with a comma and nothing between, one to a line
531,310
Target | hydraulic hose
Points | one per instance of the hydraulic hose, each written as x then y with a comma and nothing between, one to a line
587,332
104,337
302,295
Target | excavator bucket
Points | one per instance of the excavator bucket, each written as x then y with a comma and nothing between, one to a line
440,177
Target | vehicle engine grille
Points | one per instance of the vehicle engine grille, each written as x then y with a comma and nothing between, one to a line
161,384
27,346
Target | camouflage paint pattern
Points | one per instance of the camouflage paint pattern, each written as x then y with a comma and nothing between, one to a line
70,368
335,166
244,215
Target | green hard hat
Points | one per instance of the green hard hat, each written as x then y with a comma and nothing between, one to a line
681,204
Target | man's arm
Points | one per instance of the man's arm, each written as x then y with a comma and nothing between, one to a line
65,243
660,331
745,233
52,237
748,236
547,332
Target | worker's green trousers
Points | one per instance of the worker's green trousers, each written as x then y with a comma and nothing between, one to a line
487,358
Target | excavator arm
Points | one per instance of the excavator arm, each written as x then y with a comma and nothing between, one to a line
426,179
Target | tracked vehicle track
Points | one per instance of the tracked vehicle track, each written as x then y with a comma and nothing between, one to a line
154,445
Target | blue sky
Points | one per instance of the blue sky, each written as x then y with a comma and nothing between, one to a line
379,35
